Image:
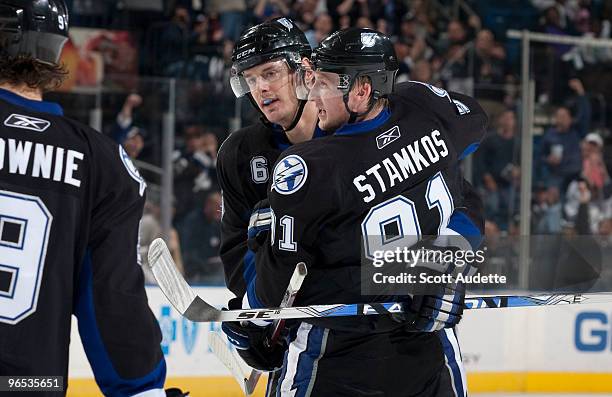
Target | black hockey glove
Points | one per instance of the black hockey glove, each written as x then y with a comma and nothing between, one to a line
431,313
251,342
176,392
259,225
441,305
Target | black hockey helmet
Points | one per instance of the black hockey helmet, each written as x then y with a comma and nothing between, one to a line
38,28
356,52
349,54
279,39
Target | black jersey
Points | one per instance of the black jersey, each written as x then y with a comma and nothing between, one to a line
244,165
397,172
70,207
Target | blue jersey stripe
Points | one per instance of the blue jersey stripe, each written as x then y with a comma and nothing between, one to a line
106,376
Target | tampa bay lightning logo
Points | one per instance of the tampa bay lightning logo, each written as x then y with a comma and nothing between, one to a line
289,174
132,170
286,23
368,40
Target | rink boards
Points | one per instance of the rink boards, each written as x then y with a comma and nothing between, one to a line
542,349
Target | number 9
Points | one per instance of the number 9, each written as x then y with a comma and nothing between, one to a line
25,223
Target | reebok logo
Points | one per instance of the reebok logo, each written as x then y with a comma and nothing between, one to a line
26,122
388,137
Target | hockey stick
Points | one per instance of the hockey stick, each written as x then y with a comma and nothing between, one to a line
295,283
194,308
228,358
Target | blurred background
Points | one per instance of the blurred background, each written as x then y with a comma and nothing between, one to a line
153,75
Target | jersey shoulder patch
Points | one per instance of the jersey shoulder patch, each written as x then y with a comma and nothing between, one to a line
132,170
290,174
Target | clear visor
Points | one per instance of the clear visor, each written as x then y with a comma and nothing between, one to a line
328,85
272,76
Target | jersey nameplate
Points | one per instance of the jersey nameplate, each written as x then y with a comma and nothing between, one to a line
40,161
290,174
399,166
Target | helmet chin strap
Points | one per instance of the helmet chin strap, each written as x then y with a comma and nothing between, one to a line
266,122
298,115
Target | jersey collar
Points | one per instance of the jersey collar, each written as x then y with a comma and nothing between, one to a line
39,106
364,126
280,138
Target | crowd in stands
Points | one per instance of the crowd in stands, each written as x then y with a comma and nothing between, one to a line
462,49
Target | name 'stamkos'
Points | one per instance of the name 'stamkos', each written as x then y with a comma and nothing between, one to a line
40,161
408,161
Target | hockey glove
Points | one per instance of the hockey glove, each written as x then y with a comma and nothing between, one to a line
259,225
176,392
251,342
431,313
443,305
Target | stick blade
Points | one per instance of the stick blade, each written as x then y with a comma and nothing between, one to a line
169,279
173,285
227,357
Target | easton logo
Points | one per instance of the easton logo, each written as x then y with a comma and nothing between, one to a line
26,122
388,137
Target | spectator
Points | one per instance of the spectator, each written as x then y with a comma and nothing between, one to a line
425,14
344,22
200,236
205,40
456,35
323,27
134,142
125,119
550,213
231,14
489,72
561,143
402,51
351,8
383,26
455,67
564,11
150,229
174,41
195,173
268,9
593,166
364,22
306,11
422,72
580,209
498,163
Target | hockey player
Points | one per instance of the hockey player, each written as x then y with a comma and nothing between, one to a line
267,68
70,205
392,159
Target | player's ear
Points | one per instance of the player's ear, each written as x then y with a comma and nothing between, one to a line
307,63
363,90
